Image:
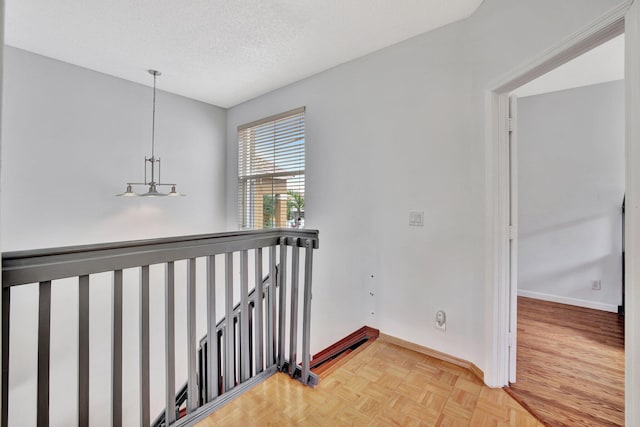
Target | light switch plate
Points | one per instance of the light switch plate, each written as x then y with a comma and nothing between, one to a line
416,219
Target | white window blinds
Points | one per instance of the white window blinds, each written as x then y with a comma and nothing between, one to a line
271,171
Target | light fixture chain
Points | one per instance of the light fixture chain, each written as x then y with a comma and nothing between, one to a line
153,120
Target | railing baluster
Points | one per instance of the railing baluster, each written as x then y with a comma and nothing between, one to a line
258,312
6,317
212,339
116,357
283,300
293,324
271,308
170,342
250,313
229,333
144,347
83,350
245,363
219,382
306,312
202,373
236,343
192,385
44,348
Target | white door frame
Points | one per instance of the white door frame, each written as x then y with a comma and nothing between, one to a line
513,235
2,379
625,17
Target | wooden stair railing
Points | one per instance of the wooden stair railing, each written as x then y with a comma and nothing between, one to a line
255,345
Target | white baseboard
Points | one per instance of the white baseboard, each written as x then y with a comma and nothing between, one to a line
570,301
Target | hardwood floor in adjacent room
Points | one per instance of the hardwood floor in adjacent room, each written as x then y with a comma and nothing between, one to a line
381,385
570,364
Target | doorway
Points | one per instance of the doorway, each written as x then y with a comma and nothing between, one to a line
624,18
569,135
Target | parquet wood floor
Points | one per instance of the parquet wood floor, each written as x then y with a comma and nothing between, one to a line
570,364
382,385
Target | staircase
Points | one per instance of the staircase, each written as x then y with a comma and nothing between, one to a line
203,380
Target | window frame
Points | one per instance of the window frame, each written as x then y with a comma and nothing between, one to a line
251,174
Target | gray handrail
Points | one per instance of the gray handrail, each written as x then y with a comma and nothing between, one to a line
31,266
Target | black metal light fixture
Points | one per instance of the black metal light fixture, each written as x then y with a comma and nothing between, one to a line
152,161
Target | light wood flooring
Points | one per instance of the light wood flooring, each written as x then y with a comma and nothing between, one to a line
380,385
570,364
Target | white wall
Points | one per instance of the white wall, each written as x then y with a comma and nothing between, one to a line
403,129
71,139
74,137
571,184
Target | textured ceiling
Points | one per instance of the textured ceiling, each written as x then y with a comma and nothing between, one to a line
220,51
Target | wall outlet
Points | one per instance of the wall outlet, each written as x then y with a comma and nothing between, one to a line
596,285
441,320
416,219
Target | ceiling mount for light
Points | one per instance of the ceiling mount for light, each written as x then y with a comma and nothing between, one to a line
152,183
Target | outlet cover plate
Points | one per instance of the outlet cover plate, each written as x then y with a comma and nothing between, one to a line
416,219
441,320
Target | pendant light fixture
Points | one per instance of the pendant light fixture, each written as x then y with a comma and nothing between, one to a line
152,162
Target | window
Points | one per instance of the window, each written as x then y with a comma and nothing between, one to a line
271,171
